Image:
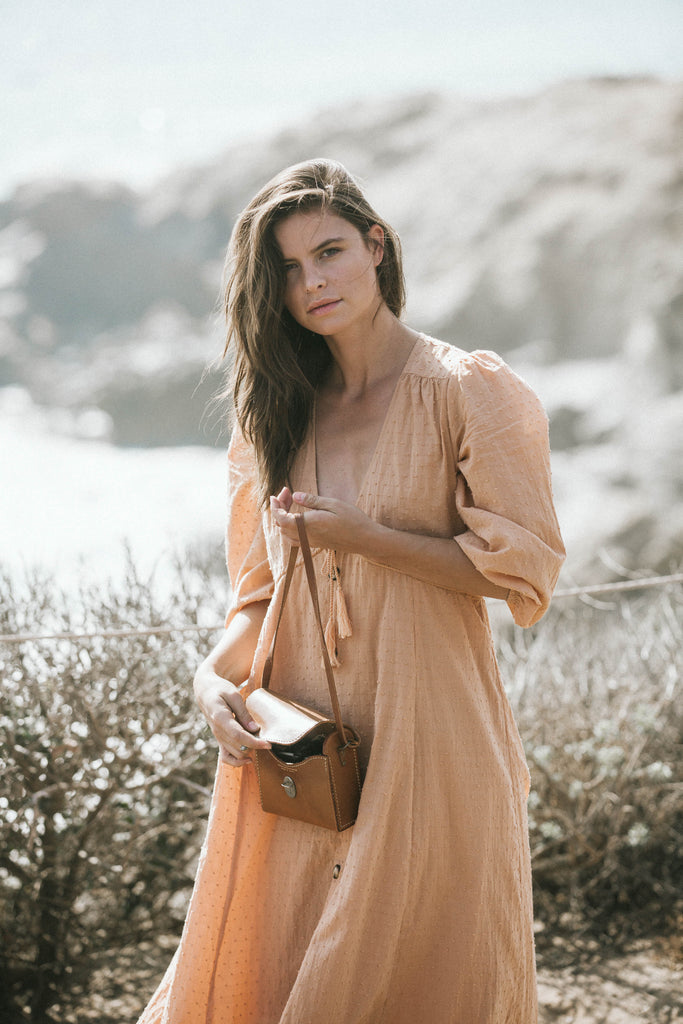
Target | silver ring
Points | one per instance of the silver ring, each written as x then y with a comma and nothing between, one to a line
244,748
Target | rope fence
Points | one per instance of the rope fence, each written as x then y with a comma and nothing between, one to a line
589,591
621,586
18,638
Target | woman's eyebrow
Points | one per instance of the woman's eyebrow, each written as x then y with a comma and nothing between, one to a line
318,248
324,245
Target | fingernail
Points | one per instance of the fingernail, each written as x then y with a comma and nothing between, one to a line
253,726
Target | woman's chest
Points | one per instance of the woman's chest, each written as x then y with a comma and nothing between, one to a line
401,470
346,435
344,448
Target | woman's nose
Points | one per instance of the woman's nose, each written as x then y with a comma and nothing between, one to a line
313,278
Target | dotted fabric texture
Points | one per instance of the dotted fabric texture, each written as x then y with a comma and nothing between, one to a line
430,915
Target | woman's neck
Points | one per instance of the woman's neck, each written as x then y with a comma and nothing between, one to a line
365,356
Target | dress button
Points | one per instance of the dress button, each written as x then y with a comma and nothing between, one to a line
337,871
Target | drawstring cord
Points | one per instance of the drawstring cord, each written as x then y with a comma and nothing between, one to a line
338,621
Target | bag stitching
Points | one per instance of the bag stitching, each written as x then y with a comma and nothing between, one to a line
293,769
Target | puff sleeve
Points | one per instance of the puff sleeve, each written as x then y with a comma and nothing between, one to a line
251,578
503,486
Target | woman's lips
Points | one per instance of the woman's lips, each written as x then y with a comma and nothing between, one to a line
325,307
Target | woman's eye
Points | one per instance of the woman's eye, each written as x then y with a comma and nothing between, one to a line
331,252
289,266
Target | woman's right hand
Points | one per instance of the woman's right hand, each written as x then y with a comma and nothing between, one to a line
224,709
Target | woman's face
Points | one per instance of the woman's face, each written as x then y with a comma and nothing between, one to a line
331,276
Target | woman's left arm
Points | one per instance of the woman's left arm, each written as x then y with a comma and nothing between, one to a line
331,523
511,545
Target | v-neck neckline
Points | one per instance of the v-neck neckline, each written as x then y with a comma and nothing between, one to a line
380,437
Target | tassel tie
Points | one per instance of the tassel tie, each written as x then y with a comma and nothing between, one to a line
338,621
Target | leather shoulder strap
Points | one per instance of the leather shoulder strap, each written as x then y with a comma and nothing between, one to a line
313,589
268,663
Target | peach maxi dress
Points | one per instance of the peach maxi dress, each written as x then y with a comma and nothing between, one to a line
428,915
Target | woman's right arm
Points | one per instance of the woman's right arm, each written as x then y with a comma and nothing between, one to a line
217,681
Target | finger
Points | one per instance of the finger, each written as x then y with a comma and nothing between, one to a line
285,498
235,761
242,730
313,501
279,514
239,710
232,737
286,524
243,744
240,744
236,745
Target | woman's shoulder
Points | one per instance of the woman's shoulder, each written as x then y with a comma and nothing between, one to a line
478,380
441,360
241,458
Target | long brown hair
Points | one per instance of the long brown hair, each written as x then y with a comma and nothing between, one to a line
277,363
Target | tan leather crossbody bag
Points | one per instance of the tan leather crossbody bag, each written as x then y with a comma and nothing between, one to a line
311,772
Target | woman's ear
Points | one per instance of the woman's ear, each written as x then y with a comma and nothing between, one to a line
376,243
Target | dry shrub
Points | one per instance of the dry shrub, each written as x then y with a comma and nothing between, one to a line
105,769
596,691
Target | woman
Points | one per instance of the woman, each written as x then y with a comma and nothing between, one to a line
424,475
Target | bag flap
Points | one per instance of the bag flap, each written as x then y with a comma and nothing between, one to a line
280,719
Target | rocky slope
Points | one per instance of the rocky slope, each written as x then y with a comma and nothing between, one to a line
546,227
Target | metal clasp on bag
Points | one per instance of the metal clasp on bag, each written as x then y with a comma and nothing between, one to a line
289,786
340,750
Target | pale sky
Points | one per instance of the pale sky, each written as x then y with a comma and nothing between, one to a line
130,89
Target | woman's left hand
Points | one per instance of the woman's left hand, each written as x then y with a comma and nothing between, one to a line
335,524
330,523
